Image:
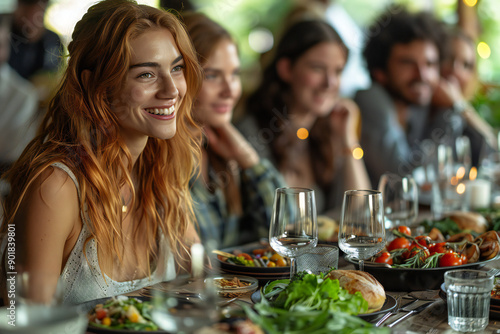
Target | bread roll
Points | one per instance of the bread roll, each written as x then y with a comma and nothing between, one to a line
354,280
469,221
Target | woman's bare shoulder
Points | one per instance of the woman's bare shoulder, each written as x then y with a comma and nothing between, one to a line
52,190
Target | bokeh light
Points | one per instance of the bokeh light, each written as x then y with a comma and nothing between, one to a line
261,40
470,3
461,188
473,173
483,50
461,172
357,153
302,133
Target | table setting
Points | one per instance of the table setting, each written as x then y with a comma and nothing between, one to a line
296,280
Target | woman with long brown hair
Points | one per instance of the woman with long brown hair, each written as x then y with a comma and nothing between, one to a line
234,195
100,197
297,119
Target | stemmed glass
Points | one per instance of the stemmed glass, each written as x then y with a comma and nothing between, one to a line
294,229
186,304
400,197
362,230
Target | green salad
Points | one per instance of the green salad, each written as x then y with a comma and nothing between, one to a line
122,312
311,303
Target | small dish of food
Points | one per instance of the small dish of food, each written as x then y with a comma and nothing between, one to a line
229,286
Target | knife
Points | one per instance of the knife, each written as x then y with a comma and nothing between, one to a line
415,311
389,314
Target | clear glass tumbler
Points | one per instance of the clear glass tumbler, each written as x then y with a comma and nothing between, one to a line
468,296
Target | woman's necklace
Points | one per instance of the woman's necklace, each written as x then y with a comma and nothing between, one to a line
125,204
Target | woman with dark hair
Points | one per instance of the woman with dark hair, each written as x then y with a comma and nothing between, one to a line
297,119
234,195
99,199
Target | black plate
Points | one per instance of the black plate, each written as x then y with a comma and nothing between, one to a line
413,279
389,305
98,330
494,303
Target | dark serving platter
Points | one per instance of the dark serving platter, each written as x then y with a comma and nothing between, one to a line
412,279
389,305
263,274
494,303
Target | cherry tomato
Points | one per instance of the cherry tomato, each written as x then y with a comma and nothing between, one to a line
424,240
404,229
246,256
417,249
101,314
463,257
275,257
384,257
259,251
450,259
440,247
281,262
397,243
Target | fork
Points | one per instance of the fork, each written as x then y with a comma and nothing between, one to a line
494,272
399,308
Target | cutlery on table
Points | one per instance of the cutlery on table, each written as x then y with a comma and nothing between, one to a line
412,312
494,272
391,313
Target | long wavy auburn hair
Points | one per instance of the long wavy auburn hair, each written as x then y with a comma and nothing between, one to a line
205,35
81,130
271,98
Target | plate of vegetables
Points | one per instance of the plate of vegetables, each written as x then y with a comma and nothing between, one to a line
418,263
122,314
311,303
256,260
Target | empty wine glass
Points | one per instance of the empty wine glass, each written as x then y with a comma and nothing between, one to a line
187,303
362,230
400,198
294,228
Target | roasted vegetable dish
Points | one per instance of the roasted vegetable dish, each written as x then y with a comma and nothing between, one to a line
432,251
260,257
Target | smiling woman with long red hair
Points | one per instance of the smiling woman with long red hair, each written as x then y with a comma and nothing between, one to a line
100,197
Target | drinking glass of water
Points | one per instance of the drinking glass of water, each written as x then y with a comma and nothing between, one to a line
362,229
400,196
468,294
294,228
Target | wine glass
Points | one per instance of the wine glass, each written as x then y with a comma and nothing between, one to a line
186,303
400,198
294,229
362,230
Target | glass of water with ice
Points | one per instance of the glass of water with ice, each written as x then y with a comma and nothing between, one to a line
468,297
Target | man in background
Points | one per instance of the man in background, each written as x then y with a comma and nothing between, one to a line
18,103
36,52
403,58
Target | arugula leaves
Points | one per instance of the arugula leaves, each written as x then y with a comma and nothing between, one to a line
313,303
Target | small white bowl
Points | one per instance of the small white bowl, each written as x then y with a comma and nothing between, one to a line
30,319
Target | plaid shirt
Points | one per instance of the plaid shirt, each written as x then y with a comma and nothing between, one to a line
257,185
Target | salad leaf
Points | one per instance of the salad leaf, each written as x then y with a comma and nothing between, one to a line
310,303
